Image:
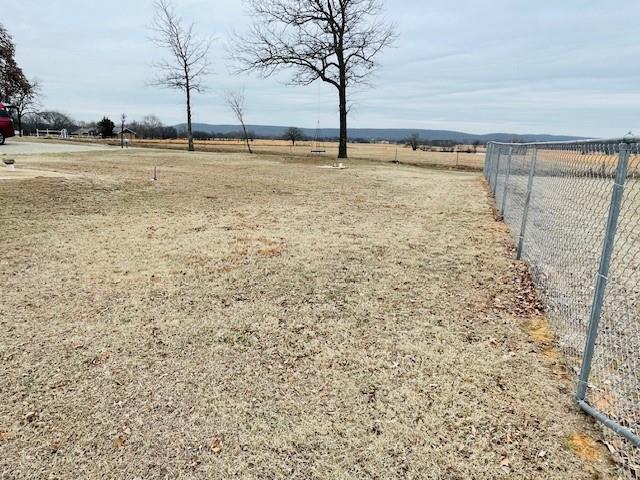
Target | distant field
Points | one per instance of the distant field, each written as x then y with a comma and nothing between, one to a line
259,317
363,151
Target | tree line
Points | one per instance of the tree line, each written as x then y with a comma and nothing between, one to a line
148,127
416,143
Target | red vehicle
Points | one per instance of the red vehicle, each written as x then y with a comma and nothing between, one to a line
6,124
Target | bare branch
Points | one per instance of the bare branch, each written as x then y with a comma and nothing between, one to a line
318,39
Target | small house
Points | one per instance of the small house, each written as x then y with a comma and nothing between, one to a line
85,132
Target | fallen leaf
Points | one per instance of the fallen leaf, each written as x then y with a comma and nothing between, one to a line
120,441
216,445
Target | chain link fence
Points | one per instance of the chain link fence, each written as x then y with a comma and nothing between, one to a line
573,210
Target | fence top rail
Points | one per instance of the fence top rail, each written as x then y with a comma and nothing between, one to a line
628,139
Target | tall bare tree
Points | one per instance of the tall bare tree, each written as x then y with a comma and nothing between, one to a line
188,60
236,101
335,41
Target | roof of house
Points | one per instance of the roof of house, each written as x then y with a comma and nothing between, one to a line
119,130
84,131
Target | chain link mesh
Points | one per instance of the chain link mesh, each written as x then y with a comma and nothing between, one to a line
556,200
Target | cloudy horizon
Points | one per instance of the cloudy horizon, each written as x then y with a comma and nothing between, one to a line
514,67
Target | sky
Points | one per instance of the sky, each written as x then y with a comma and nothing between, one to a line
547,66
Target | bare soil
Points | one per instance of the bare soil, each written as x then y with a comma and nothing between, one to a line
249,317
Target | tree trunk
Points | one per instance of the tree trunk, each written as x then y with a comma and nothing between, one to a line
246,138
189,130
342,150
20,123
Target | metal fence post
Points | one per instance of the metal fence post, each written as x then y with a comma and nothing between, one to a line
492,166
527,203
495,176
487,155
603,271
487,161
506,183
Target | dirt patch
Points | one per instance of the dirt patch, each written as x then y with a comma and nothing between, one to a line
540,331
584,447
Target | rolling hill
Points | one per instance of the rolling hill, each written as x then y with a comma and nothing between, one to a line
380,134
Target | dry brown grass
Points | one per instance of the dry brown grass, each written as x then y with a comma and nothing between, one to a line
256,318
361,151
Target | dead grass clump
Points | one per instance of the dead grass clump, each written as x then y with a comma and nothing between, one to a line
540,331
270,248
584,447
270,251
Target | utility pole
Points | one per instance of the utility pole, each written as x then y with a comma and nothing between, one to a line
124,118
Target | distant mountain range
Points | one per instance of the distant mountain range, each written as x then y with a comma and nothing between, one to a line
379,134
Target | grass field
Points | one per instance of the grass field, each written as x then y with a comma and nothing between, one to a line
261,317
280,148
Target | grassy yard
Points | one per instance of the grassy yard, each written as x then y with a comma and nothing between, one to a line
250,317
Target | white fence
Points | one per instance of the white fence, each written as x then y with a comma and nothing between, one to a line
52,133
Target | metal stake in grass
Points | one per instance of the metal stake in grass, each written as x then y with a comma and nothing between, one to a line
10,163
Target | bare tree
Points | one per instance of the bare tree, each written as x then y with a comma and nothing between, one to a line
236,101
336,41
26,99
293,134
152,123
414,141
188,61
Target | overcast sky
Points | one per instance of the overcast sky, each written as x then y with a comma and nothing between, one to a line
518,66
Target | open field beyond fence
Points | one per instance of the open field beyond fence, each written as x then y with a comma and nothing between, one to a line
363,151
253,317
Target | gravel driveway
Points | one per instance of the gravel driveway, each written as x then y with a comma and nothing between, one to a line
17,147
